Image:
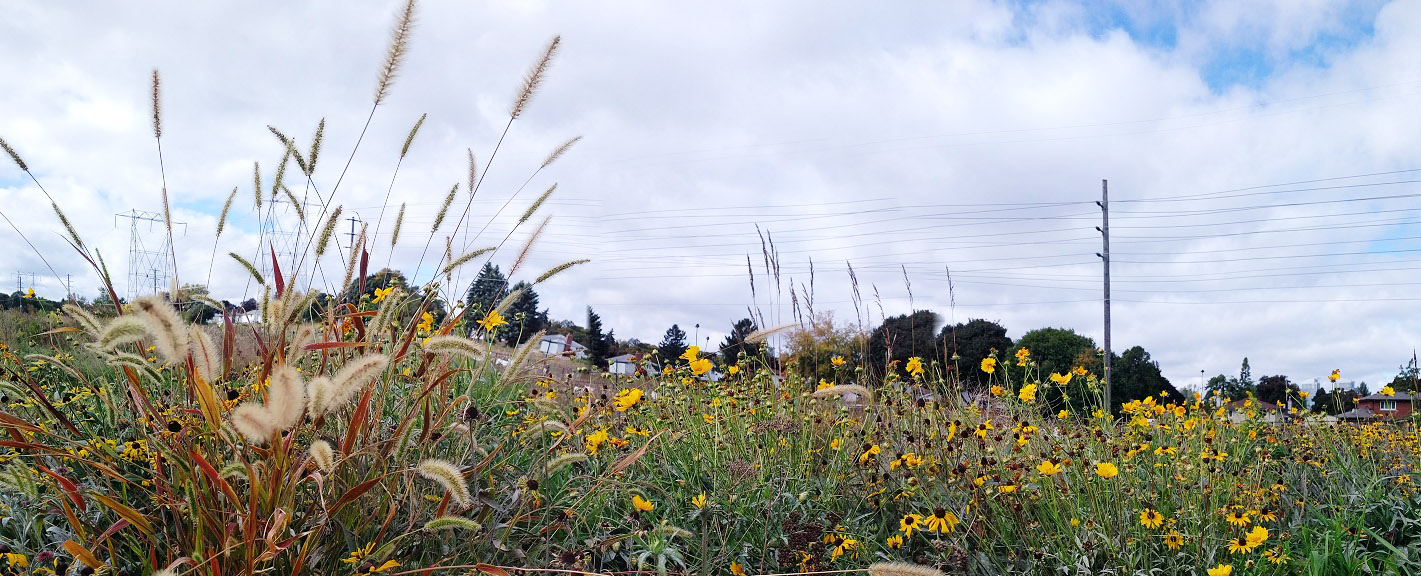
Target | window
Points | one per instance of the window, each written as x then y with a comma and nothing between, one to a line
1388,405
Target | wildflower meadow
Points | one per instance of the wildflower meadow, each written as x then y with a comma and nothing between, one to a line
399,429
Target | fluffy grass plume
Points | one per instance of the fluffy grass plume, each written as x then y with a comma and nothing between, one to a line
13,155
257,184
410,139
395,55
86,320
532,208
534,79
456,345
447,475
557,464
452,523
157,109
206,357
902,569
226,207
553,157
295,204
248,265
280,176
462,260
763,335
323,455
399,222
319,392
254,422
73,235
528,245
328,231
537,431
286,397
350,379
167,328
315,148
444,208
473,173
121,330
355,249
555,270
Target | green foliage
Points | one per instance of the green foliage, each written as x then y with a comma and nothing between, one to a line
970,343
599,347
524,318
899,338
672,346
1055,350
1135,376
735,345
488,288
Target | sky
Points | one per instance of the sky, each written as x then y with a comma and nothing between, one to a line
1261,159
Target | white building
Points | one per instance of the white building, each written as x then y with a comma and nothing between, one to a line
562,344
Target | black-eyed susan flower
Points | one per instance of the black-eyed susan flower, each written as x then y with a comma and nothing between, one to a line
895,541
363,565
869,452
1237,517
942,521
1241,545
595,440
1221,570
908,523
1276,556
1174,540
1335,375
1151,518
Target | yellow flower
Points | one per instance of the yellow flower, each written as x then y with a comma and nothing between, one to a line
1241,545
870,452
915,366
30,293
1335,375
16,560
627,398
895,541
1048,468
1063,414
360,559
1174,540
692,354
942,521
837,361
1061,379
642,504
699,501
736,569
1007,489
1151,519
426,322
1022,356
1257,535
732,370
822,385
701,366
1388,391
1222,570
989,365
595,440
1079,371
1106,470
1028,393
492,320
998,390
382,293
908,523
1237,518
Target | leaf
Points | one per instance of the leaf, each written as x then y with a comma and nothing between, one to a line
207,400
276,273
491,569
82,554
69,489
59,331
214,477
356,492
132,516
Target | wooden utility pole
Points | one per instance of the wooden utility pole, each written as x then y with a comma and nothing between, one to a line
1104,229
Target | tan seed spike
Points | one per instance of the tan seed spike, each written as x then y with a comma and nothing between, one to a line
222,220
399,222
444,209
328,231
157,122
324,456
167,328
528,246
395,55
560,151
205,356
254,422
410,139
21,163
86,320
555,270
286,397
902,569
447,475
534,79
121,330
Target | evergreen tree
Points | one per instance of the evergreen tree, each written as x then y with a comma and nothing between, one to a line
524,318
1137,376
673,345
971,342
735,342
1276,390
899,338
487,290
597,346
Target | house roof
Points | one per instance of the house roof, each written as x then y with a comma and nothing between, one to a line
1397,396
1357,414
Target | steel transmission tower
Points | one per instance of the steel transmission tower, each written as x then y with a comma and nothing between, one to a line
149,267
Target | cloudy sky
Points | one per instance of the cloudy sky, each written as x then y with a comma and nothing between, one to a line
1261,157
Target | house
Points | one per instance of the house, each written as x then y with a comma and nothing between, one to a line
1398,405
562,344
627,364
